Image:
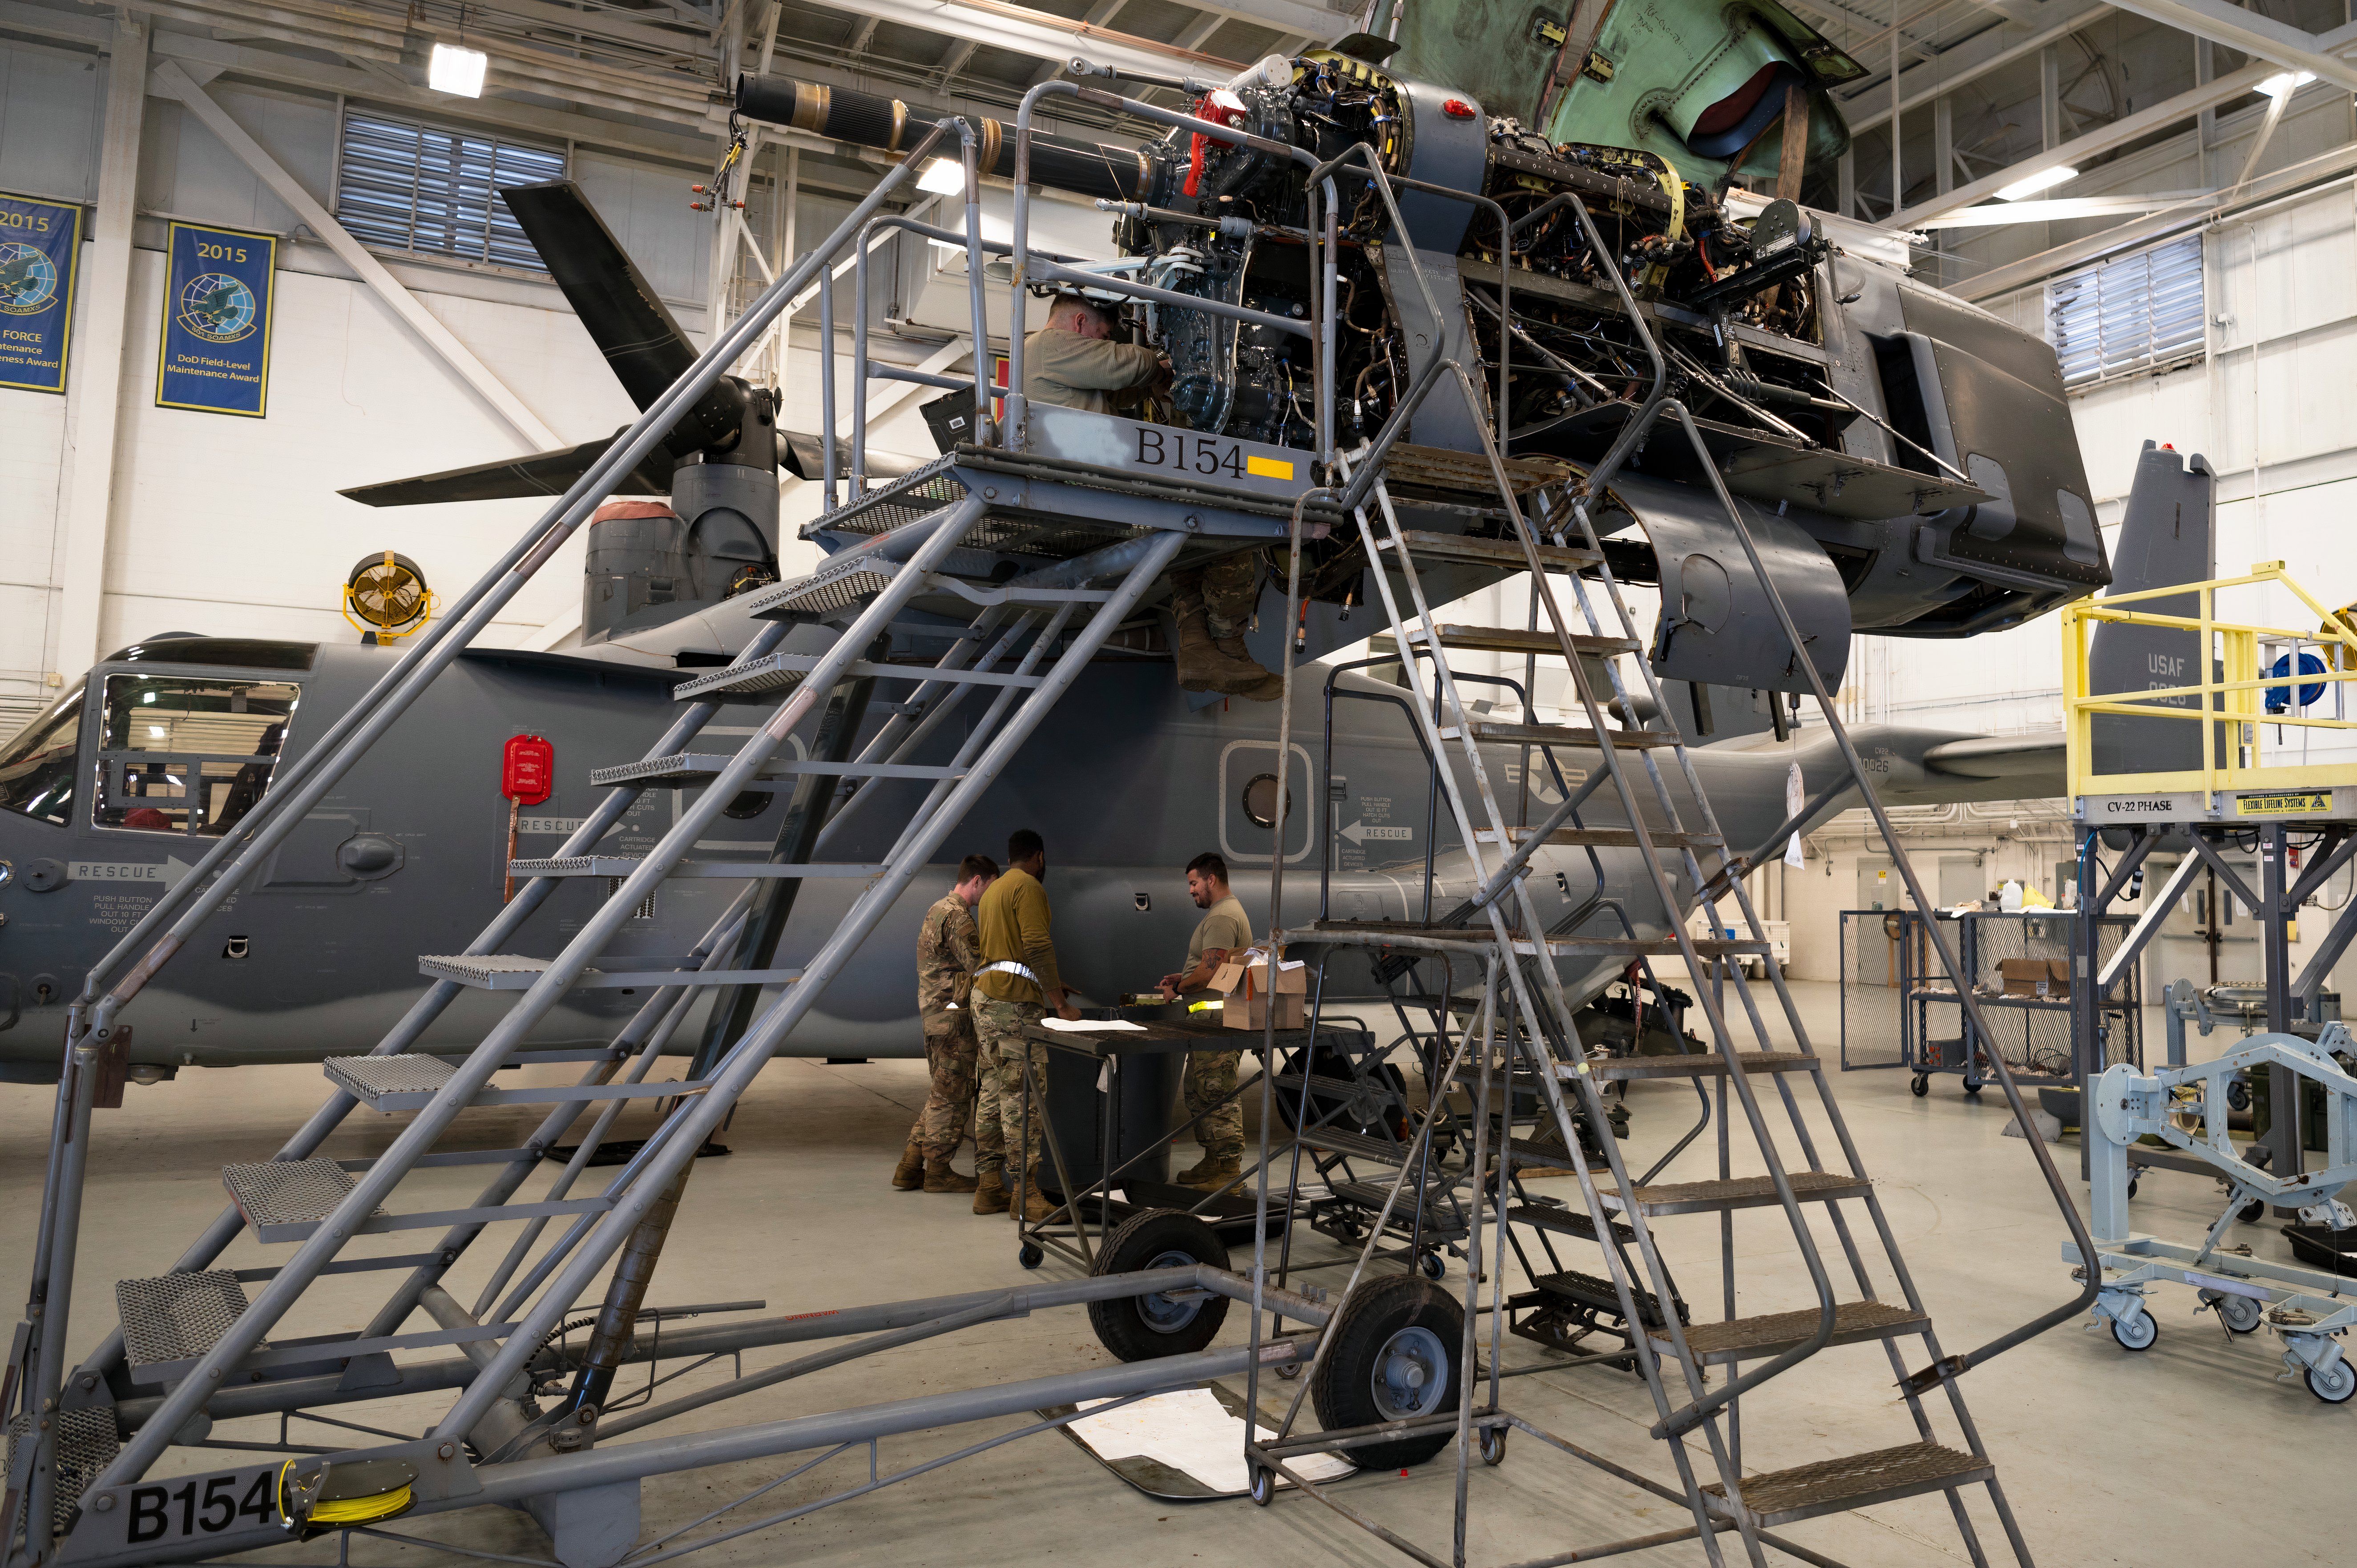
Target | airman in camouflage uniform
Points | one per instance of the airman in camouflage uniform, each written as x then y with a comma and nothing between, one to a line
1214,606
948,952
1017,985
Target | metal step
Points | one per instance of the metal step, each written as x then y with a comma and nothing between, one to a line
282,1200
1749,1338
1523,1152
688,770
1556,947
1701,1064
410,1083
1505,553
1835,1486
1739,1192
512,971
86,1446
777,672
1355,1145
1566,1221
1516,640
839,586
719,870
1610,838
1444,1211
1596,1294
174,1317
1563,735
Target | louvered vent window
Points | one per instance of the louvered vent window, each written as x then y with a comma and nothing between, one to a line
406,185
2129,316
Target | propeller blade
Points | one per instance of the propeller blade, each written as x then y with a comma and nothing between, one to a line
605,288
541,474
805,457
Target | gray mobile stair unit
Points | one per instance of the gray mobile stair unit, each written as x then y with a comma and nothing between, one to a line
531,1424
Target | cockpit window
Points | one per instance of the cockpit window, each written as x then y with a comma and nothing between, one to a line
37,770
188,754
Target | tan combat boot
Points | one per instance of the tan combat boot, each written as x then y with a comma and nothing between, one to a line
1036,1206
1214,1172
910,1174
939,1177
990,1193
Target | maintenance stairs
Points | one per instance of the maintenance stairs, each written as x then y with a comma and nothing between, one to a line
1021,640
1521,1044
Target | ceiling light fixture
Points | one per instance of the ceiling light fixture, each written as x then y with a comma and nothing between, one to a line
2044,179
456,69
944,176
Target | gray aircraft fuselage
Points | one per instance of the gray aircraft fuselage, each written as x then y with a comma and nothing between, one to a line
1128,781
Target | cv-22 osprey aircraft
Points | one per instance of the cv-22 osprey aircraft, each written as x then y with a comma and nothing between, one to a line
1905,461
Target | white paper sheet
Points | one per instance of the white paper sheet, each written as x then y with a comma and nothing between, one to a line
1191,1432
1092,1025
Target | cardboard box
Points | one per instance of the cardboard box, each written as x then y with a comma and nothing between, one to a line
2046,977
1247,994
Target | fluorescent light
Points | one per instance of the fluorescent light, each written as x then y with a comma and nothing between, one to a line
456,69
2044,179
2284,83
945,176
157,732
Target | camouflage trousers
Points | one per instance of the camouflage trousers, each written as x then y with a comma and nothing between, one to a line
1228,589
950,1059
999,1112
1210,1076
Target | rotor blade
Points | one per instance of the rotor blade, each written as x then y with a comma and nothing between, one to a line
645,346
541,474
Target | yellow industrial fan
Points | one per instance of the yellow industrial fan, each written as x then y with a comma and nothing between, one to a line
386,595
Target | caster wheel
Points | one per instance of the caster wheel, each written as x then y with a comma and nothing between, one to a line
1289,1372
1923,1085
2132,1187
2335,1384
1030,1256
2241,1314
2238,1095
2253,1211
1431,1266
1973,1086
1264,1485
1493,1445
2137,1332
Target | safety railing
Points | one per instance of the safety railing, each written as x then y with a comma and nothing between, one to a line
2256,684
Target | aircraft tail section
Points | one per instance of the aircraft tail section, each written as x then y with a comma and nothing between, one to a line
2167,536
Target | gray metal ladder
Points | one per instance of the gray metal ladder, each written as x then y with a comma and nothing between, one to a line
1524,1033
196,1327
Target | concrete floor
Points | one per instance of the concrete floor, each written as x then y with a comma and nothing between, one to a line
2101,1451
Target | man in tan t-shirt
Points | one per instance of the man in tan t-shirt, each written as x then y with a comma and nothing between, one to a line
1015,987
1074,362
1210,1077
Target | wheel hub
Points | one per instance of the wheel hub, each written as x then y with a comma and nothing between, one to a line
1161,1313
1409,1374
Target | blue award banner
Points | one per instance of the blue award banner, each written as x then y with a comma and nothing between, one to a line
216,346
39,242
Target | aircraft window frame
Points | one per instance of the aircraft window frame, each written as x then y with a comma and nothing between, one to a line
221,785
57,810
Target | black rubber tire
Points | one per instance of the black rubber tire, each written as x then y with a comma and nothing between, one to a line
2337,1389
2238,1095
1030,1255
1377,1312
2144,1336
1431,1265
1147,1327
2132,1187
1921,1085
1493,1445
2240,1314
1973,1086
2252,1212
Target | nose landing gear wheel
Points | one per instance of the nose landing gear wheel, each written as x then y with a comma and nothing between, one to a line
2136,1332
1392,1355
